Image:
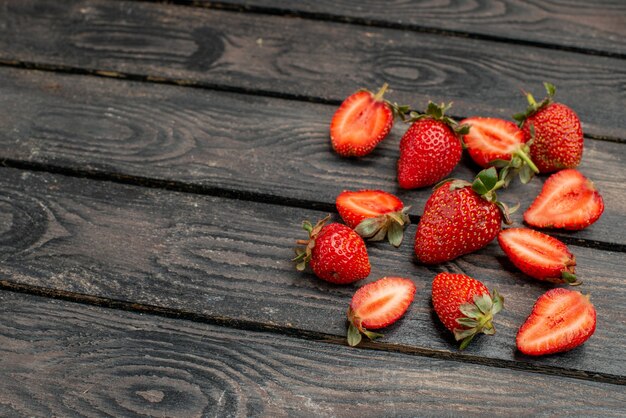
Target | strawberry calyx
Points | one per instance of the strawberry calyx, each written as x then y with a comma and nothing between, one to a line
356,328
485,185
399,111
438,112
303,254
520,164
533,106
570,278
390,225
478,316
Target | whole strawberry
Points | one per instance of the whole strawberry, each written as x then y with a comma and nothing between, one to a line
335,252
558,135
430,148
465,306
460,218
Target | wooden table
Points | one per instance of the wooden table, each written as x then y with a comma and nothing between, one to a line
158,160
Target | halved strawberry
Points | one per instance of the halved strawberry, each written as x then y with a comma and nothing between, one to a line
568,200
377,305
374,214
499,142
361,122
561,319
539,255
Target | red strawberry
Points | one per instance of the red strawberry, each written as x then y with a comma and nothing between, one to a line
539,255
459,218
377,305
498,142
568,200
561,319
373,214
337,254
558,136
465,306
430,148
361,122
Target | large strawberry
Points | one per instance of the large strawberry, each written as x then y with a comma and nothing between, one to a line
460,218
374,214
336,253
561,319
377,305
499,143
539,255
567,200
558,135
362,121
430,148
465,306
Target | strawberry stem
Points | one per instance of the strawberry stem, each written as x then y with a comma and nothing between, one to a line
379,95
520,153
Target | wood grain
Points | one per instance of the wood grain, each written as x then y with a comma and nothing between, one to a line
228,261
231,142
306,59
122,364
597,26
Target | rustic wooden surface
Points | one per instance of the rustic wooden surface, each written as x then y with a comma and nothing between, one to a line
162,209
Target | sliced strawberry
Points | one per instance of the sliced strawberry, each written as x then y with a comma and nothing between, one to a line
539,255
361,122
373,214
377,305
568,200
561,320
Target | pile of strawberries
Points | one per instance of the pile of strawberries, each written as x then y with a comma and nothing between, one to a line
461,217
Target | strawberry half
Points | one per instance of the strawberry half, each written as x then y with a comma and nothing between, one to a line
465,306
556,131
568,200
374,214
430,148
561,320
499,142
336,253
361,122
377,305
539,255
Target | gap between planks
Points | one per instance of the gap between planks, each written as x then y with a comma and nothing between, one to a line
359,21
179,186
302,334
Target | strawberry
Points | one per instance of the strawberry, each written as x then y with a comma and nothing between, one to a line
539,255
377,305
561,320
567,200
430,148
465,306
362,121
374,214
460,218
337,254
499,142
558,136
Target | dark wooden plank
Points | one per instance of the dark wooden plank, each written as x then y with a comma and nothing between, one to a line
580,25
306,58
229,261
242,143
64,359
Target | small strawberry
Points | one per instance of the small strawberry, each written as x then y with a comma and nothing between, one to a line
465,306
374,214
377,305
337,254
362,121
539,255
499,143
567,200
460,218
558,135
430,148
561,320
